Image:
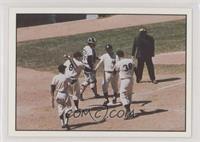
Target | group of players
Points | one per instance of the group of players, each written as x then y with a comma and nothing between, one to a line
117,68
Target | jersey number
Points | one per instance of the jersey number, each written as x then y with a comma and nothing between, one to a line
128,67
71,67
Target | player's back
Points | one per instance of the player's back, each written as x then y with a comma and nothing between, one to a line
125,67
88,51
70,71
59,81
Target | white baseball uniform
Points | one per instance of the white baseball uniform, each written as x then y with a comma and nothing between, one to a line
90,76
62,97
125,67
109,62
73,74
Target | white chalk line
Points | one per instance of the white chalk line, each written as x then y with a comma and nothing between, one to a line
162,88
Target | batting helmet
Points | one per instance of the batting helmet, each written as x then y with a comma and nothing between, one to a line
91,40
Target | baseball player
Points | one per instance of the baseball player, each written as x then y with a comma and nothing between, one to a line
89,59
59,87
74,66
109,60
125,67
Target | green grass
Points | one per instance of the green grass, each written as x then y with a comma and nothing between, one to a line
45,54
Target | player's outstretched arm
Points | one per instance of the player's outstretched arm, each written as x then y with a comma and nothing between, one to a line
98,65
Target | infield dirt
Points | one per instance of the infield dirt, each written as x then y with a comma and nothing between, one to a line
159,107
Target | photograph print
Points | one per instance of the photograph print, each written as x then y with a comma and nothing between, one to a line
101,72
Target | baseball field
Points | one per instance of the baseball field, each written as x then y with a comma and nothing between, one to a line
158,107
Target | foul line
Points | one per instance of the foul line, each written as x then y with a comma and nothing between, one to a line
162,88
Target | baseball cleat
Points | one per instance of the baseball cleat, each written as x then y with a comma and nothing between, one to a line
129,115
78,110
154,81
114,101
105,103
66,126
97,96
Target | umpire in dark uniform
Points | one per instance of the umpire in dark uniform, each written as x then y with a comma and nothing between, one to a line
144,50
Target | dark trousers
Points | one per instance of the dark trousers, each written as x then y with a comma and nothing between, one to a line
140,67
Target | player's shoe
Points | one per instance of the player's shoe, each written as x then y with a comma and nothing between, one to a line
129,115
66,126
138,81
114,101
106,103
154,81
78,110
97,96
65,121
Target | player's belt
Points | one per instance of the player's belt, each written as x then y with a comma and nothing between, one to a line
126,78
61,91
109,71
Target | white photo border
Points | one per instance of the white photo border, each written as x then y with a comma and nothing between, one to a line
12,73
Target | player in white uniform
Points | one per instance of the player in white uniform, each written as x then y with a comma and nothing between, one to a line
74,66
109,60
125,67
89,59
59,87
